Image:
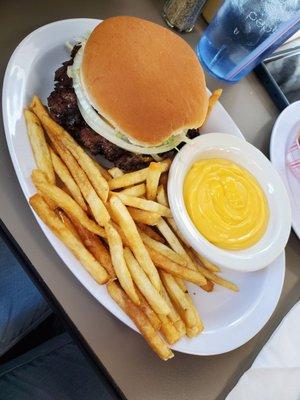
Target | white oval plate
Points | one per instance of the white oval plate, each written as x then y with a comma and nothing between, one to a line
284,133
230,319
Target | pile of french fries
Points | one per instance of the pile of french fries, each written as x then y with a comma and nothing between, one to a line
120,227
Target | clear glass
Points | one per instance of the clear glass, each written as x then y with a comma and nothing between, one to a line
182,14
243,33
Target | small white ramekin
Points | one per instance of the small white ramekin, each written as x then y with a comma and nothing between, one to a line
220,145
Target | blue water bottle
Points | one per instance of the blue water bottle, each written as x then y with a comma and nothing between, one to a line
243,33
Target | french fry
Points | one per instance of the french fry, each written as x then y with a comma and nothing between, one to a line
65,176
141,321
39,145
163,249
42,177
64,201
174,316
180,300
143,204
118,261
168,329
161,196
132,178
181,284
167,265
191,332
129,179
115,172
95,246
143,283
136,244
137,190
174,243
209,286
86,162
150,232
145,217
172,224
97,207
217,279
203,261
66,220
154,172
147,310
213,99
164,180
170,237
68,238
102,171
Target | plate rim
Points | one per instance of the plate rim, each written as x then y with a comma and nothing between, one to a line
116,312
275,138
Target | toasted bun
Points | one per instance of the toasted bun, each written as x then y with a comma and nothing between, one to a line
144,79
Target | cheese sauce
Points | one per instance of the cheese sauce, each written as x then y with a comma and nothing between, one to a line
225,203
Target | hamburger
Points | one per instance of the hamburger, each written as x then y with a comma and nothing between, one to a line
132,91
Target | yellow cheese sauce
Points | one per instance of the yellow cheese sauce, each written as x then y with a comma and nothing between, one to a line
225,203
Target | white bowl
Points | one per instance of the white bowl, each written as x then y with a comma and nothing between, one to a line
220,145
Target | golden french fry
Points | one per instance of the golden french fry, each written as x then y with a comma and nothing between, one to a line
66,236
154,172
143,204
147,310
42,177
168,329
141,321
209,286
170,237
102,171
84,160
118,261
66,220
115,172
95,246
150,232
64,201
141,280
172,224
217,279
97,207
163,249
167,265
180,300
199,325
181,284
132,178
213,99
134,240
174,316
137,190
144,217
65,176
174,243
162,196
39,145
204,262
164,179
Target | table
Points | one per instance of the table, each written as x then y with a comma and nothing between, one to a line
134,367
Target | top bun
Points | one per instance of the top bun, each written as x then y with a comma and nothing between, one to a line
144,79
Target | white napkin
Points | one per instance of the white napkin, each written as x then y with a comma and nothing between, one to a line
275,374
